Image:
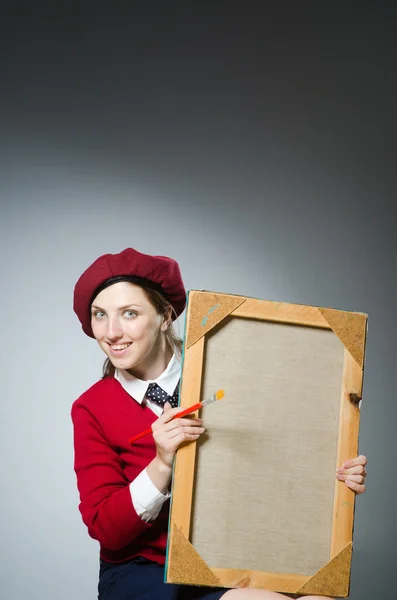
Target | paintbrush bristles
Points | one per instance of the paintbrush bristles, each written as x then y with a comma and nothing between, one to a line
219,394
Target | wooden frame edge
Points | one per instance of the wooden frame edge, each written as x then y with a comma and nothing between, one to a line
281,312
349,423
186,455
275,582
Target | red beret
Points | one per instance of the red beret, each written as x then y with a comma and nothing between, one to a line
160,271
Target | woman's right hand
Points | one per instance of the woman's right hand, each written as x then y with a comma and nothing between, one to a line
169,434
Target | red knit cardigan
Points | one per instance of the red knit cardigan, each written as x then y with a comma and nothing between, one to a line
104,418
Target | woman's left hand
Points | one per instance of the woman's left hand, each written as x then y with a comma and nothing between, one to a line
353,473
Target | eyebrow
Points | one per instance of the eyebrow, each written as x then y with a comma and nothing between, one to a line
120,307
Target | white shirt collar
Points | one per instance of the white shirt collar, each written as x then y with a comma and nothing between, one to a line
136,388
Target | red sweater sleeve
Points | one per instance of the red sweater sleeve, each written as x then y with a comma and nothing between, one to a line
105,499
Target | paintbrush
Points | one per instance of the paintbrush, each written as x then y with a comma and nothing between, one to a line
187,411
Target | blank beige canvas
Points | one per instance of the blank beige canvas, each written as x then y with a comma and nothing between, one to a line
265,470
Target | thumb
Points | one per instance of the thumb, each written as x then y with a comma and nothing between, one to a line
167,407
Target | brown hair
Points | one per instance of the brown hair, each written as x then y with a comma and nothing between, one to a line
162,305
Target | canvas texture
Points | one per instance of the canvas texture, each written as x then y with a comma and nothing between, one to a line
265,469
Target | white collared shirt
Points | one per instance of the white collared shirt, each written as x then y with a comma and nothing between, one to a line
146,498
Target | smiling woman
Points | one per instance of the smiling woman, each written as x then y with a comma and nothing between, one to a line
127,302
109,320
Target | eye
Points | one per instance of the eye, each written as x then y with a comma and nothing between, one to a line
130,314
98,314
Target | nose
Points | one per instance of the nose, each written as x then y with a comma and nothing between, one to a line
113,330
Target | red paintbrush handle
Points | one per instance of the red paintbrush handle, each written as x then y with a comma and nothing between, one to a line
186,411
137,437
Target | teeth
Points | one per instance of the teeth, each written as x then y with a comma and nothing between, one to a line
120,347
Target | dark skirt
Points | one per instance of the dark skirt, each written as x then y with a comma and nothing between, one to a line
142,579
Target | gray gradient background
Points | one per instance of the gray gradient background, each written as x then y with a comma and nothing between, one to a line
258,149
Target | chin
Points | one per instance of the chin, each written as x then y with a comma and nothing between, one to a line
124,363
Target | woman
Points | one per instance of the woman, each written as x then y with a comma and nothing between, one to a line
127,302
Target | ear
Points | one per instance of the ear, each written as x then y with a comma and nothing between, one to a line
166,319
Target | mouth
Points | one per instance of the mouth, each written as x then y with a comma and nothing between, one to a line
119,349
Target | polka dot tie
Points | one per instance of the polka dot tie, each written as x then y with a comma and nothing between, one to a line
156,394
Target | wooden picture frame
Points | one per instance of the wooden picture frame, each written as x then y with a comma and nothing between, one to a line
269,512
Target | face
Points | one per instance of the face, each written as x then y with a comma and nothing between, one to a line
129,329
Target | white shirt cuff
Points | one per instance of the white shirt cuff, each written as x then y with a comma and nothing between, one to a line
146,498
